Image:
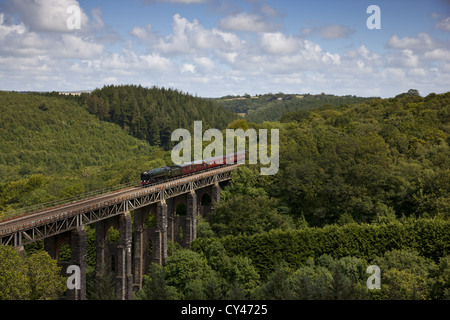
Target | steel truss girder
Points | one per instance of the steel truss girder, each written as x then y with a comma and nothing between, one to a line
44,227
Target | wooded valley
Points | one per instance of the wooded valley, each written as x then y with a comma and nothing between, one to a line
361,181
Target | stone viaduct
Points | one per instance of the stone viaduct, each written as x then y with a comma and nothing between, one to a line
143,220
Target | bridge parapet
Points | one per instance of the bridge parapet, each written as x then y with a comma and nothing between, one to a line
70,219
52,221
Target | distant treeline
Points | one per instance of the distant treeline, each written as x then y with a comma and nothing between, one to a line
271,107
152,114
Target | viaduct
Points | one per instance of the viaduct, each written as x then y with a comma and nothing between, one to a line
162,212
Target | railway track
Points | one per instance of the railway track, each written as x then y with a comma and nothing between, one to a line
43,216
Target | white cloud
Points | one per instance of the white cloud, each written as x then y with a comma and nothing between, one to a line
190,37
46,15
97,16
405,58
16,40
422,42
334,31
437,55
205,63
278,43
443,24
128,62
74,47
417,72
212,61
7,29
154,62
142,33
187,67
361,61
251,22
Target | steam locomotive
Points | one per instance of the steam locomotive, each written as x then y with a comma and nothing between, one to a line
164,173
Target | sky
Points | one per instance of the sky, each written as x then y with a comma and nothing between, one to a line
212,48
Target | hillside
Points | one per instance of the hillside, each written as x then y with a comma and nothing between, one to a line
152,114
379,160
369,161
358,184
271,107
52,148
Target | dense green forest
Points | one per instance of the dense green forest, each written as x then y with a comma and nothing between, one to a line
360,183
52,148
56,146
365,162
152,114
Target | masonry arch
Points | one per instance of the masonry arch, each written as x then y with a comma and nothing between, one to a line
205,200
181,209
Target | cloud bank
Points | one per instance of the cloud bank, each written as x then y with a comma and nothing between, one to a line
244,52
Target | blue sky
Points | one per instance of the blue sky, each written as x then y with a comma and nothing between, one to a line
213,48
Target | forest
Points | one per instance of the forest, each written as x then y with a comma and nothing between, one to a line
52,149
152,114
360,183
271,107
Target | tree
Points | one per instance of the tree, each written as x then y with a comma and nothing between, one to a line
154,133
246,181
311,282
404,275
36,277
347,279
155,285
185,266
44,277
440,279
14,284
244,214
246,208
404,285
277,285
101,285
235,293
202,289
413,92
236,271
238,124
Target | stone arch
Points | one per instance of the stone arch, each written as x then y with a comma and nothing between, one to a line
177,212
113,252
64,252
112,234
69,248
205,200
181,209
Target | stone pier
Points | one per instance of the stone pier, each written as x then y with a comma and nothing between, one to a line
132,229
76,239
115,256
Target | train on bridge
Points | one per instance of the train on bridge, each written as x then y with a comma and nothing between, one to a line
162,174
